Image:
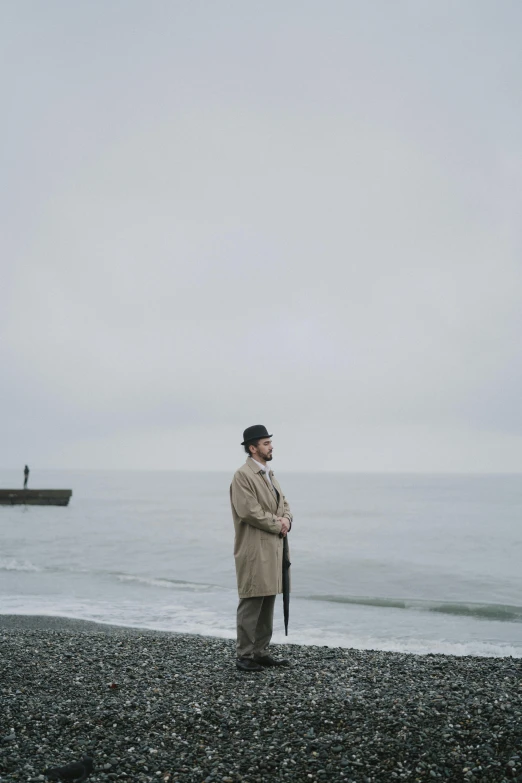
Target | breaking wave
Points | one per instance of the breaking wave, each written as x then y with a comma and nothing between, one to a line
170,584
481,611
17,565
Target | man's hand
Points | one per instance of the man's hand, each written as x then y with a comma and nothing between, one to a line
285,525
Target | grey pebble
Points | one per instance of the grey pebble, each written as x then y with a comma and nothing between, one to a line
181,710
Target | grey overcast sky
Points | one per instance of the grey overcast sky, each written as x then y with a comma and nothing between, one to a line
300,213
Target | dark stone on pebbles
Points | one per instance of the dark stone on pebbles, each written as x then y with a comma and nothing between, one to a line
339,715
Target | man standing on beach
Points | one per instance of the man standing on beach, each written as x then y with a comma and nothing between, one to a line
26,476
262,518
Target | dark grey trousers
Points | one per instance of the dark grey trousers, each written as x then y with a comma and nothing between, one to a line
255,622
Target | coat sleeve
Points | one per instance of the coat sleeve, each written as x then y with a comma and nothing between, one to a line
248,508
286,511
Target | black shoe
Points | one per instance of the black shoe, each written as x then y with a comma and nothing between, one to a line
267,660
248,665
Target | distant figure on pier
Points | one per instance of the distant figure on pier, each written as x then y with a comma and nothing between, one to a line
26,476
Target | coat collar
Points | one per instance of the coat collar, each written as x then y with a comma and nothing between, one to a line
255,467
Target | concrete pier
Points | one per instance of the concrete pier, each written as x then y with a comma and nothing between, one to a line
35,497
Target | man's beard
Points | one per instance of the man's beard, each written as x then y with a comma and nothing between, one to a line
268,457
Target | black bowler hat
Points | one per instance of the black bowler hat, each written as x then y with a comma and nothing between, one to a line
256,432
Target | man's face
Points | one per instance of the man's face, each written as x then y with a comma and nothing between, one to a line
263,449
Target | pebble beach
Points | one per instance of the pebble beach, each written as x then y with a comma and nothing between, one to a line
149,706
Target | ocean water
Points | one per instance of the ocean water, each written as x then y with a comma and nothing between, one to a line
390,562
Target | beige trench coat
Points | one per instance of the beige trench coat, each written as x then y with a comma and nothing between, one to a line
258,550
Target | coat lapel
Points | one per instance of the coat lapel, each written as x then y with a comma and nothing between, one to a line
272,490
263,478
275,488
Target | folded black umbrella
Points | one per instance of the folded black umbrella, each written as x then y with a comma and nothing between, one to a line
286,583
